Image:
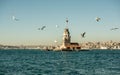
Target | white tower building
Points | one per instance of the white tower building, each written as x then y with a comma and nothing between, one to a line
67,44
66,37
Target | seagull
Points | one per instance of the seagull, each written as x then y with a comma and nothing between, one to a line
55,41
114,28
14,18
97,19
57,26
42,28
83,34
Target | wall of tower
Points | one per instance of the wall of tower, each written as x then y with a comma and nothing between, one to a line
66,37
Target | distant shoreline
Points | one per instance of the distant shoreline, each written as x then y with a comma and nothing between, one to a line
60,50
110,45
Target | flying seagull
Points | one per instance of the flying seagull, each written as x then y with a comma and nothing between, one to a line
114,28
42,28
57,26
83,34
14,18
97,19
55,41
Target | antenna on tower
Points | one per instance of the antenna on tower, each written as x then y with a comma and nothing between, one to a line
67,22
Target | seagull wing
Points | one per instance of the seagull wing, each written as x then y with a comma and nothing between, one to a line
43,27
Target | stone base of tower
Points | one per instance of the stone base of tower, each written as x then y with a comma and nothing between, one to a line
70,47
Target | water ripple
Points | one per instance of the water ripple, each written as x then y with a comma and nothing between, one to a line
36,62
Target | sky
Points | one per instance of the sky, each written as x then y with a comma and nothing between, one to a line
33,14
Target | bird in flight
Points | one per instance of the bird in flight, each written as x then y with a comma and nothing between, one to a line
83,34
57,26
114,28
42,28
55,41
14,18
97,19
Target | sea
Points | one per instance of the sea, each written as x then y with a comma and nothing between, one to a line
40,62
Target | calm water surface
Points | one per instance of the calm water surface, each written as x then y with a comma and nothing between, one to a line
37,62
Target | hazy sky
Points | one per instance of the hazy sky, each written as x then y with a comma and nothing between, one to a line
34,14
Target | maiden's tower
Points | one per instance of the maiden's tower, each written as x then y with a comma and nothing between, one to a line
67,45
